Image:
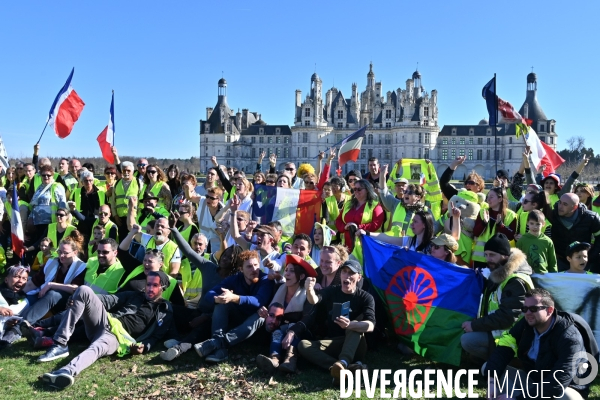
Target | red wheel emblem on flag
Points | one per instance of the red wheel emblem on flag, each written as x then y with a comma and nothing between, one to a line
410,295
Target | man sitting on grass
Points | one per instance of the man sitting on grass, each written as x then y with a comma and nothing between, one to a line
345,342
111,322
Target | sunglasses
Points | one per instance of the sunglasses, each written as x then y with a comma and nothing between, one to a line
290,169
358,189
212,197
352,180
103,252
183,212
61,215
110,173
142,165
45,175
270,181
151,172
525,201
102,213
469,182
532,309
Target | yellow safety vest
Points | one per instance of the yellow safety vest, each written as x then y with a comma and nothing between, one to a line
159,209
333,210
155,191
122,198
187,232
478,251
496,296
432,184
367,217
168,250
139,269
37,180
553,199
106,282
8,208
522,222
76,196
107,227
53,234
191,282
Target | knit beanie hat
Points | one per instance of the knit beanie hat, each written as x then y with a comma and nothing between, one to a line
498,244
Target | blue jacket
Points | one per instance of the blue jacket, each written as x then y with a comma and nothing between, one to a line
252,297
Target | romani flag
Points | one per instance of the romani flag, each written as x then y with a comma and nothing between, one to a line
16,227
106,138
296,210
427,299
350,147
500,111
66,109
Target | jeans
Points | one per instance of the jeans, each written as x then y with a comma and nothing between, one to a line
231,326
478,344
53,299
87,307
278,335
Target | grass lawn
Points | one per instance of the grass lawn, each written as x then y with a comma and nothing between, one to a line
188,377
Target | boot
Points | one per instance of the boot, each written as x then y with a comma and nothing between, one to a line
289,362
268,364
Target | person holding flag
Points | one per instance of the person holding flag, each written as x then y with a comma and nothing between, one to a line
46,201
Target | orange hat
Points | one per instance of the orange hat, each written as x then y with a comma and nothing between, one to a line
297,260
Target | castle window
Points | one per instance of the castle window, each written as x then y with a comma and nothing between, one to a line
277,131
509,154
227,138
444,140
461,152
370,139
453,154
444,154
261,131
420,137
551,140
388,138
388,114
340,114
278,140
286,140
471,131
542,128
480,154
307,112
453,141
270,139
304,137
307,123
388,125
253,139
462,140
480,141
340,124
489,141
510,141
470,154
261,140
454,131
426,152
426,111
427,137
470,140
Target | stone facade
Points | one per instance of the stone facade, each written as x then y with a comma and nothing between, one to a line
400,124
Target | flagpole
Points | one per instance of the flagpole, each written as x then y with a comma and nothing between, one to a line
43,130
495,129
335,145
112,115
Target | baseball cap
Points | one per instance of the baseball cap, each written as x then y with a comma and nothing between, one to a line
446,240
502,173
353,265
266,229
576,247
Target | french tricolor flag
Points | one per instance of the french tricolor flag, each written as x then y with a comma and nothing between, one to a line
16,227
106,138
66,109
350,147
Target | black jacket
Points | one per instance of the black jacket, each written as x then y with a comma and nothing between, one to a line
586,225
557,351
126,303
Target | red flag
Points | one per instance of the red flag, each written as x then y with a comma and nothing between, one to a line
106,138
66,109
552,160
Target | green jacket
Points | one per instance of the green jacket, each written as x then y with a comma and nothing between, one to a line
539,251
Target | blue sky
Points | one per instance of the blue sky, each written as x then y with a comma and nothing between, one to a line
163,59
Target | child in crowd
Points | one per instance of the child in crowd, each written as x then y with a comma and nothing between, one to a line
322,236
538,247
45,253
98,234
577,256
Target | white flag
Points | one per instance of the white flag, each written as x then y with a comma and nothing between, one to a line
3,155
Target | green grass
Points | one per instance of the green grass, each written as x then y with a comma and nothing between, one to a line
187,377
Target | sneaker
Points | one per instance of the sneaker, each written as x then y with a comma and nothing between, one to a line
335,370
170,354
218,356
207,347
30,333
171,343
59,379
54,353
357,366
43,342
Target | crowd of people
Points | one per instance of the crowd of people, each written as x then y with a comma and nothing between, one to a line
145,258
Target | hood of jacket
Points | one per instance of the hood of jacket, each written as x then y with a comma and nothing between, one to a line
517,262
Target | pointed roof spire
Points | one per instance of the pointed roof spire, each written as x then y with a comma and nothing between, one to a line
371,73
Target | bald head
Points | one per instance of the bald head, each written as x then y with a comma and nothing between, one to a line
44,161
567,205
